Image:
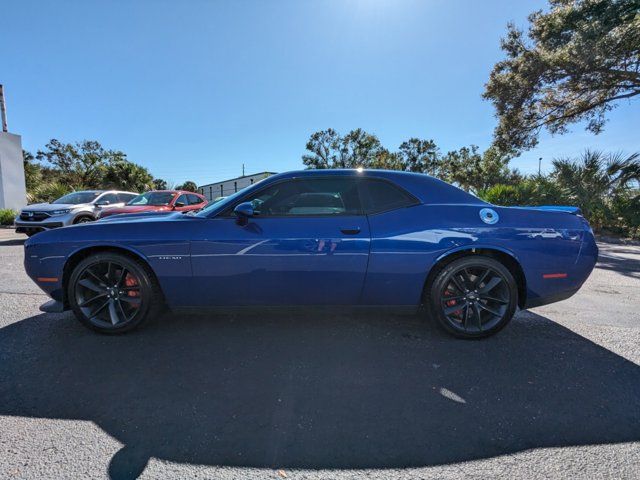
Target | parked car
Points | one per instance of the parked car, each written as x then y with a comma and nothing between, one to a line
321,237
75,207
160,201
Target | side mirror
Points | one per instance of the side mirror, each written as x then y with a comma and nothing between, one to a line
103,203
178,205
243,211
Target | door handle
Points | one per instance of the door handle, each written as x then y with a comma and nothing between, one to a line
350,231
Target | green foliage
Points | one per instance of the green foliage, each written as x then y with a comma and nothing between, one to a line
49,191
574,63
467,167
124,175
7,216
189,186
476,172
32,172
61,168
82,163
160,184
355,149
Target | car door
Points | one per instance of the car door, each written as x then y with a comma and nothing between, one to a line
195,202
181,203
307,244
108,201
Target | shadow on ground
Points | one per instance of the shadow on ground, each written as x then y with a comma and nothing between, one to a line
12,242
319,391
629,267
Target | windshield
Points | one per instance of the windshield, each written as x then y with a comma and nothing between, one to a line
222,202
157,199
76,198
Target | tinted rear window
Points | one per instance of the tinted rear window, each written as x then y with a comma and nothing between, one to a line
382,196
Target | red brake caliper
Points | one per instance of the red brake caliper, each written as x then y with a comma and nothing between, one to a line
451,303
130,281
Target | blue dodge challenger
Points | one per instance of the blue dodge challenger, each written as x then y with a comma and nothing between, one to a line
321,237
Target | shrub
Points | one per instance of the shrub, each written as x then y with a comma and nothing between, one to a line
7,216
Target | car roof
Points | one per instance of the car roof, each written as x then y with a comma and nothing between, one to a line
426,188
174,191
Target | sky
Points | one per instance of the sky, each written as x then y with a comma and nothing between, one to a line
193,89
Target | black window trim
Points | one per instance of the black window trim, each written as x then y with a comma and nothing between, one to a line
228,212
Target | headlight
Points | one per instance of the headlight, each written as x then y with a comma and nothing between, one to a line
60,212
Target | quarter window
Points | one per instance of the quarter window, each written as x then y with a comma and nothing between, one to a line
308,197
382,196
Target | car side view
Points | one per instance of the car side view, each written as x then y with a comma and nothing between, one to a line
321,237
70,209
160,201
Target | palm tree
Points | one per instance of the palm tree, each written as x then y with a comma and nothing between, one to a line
595,180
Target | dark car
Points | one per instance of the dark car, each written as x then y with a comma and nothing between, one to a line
321,238
160,201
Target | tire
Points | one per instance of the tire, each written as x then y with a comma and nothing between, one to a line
83,219
100,306
484,291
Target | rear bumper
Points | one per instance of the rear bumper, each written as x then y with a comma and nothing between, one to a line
557,297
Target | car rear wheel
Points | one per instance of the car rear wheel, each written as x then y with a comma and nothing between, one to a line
113,293
473,297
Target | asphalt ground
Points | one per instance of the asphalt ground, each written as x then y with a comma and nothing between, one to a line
315,395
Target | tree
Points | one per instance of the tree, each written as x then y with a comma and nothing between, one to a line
189,186
418,155
475,172
32,171
124,175
356,149
159,184
575,63
83,163
595,181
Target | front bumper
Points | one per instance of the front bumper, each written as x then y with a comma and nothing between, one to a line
55,221
35,227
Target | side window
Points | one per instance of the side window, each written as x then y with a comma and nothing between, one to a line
381,196
126,197
108,199
194,199
182,199
308,197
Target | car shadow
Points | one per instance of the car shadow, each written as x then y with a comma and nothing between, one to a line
319,391
12,242
629,267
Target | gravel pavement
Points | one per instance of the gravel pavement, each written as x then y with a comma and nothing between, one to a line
554,395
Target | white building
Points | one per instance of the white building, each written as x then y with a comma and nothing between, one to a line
228,187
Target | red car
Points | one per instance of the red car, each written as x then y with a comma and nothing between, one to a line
160,201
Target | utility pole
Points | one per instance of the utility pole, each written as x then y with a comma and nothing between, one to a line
3,111
539,165
243,169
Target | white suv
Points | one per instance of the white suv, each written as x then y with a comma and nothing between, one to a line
75,207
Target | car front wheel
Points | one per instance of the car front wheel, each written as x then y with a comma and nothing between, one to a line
113,293
473,297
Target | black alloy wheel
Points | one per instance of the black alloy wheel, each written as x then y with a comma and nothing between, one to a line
473,297
112,293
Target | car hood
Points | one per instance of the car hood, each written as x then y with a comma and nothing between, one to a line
137,209
140,216
49,207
